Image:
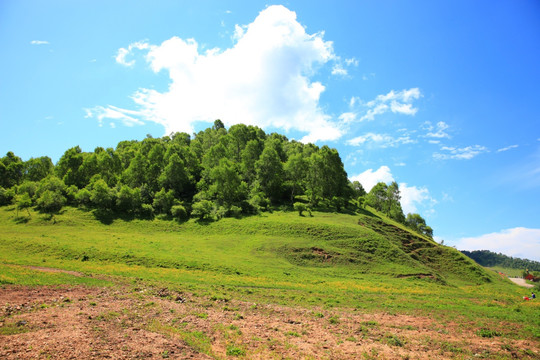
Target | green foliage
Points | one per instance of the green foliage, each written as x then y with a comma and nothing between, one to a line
164,201
51,201
202,209
490,259
241,171
102,197
6,196
179,212
300,207
23,201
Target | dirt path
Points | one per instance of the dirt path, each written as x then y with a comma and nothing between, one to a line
140,322
521,282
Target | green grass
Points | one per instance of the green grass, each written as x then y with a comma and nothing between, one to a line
327,260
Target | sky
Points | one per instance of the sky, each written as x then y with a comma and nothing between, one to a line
440,96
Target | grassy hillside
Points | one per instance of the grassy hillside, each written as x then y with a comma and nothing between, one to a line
329,260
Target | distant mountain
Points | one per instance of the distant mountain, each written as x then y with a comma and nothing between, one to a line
489,258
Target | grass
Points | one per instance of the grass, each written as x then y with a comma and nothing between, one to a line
325,261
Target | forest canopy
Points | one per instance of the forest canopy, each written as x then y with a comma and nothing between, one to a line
214,173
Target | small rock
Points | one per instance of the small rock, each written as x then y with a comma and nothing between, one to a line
22,323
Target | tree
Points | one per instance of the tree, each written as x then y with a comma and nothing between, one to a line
378,196
69,167
128,200
164,201
101,196
38,168
202,209
23,202
175,177
300,207
51,202
11,170
269,169
226,185
296,169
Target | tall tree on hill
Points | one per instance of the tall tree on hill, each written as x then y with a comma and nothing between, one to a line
69,169
36,169
269,169
11,170
175,177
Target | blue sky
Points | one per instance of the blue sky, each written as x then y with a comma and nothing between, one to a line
440,96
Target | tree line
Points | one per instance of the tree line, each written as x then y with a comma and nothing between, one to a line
216,173
489,259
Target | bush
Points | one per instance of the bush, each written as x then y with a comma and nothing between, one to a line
83,197
202,209
6,196
51,201
300,207
179,212
146,211
235,211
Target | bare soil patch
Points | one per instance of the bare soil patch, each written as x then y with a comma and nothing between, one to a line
139,322
521,282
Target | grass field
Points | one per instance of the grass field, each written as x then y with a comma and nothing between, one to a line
328,261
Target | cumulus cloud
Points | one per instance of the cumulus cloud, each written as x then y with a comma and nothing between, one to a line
517,242
370,178
397,102
263,80
465,153
412,196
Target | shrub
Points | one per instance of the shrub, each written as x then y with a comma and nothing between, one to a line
235,211
146,211
83,197
202,209
300,207
179,212
6,196
51,201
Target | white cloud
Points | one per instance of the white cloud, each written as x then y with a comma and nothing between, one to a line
508,148
263,80
39,42
465,153
412,196
397,102
127,117
370,178
339,70
123,53
438,131
381,140
517,242
351,62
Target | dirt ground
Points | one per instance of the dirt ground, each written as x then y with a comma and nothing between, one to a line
150,323
521,282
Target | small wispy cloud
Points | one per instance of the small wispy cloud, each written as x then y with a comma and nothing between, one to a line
39,42
465,153
438,131
507,148
399,102
123,53
127,117
381,140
